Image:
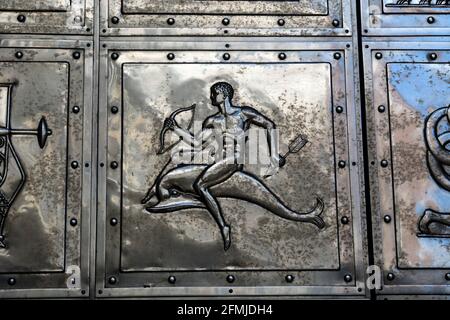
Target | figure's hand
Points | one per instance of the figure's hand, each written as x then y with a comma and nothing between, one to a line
170,123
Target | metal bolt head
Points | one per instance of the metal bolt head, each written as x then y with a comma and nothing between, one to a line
114,56
172,279
447,276
433,56
12,281
21,18
341,164
381,109
336,23
19,55
282,56
339,109
226,56
431,20
114,109
76,109
348,278
225,21
76,55
230,278
74,164
112,280
337,55
378,55
73,222
387,218
384,163
281,22
114,165
289,278
113,221
390,276
345,220
170,56
171,21
115,20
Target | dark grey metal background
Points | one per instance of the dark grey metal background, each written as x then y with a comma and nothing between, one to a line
372,209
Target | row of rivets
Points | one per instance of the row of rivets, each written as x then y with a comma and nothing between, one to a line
432,56
76,55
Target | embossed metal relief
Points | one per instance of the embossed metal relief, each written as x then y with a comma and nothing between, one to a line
227,18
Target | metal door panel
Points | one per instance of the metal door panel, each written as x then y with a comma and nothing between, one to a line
139,250
44,188
407,88
47,16
179,17
405,17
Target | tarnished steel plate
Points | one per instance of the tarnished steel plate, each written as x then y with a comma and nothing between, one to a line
405,17
45,115
47,16
191,17
407,113
156,224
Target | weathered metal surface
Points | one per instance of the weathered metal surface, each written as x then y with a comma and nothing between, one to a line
405,17
159,230
47,16
227,18
407,101
44,220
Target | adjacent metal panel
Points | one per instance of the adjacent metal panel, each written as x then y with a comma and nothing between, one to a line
45,111
408,102
156,235
180,17
405,17
47,16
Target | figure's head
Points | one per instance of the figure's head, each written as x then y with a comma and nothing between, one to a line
220,91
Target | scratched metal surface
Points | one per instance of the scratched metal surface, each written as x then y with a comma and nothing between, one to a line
181,17
47,16
412,243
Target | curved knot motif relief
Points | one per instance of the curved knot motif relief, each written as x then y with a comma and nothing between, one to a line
437,139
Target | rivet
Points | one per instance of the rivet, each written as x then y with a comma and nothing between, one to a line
339,109
114,165
335,23
12,281
74,164
289,278
378,55
282,56
387,218
112,280
341,164
21,18
381,109
73,222
77,19
337,55
115,20
384,163
113,221
114,109
230,278
170,21
225,21
76,109
76,55
447,276
114,56
345,220
226,56
281,22
348,278
172,279
19,55
390,276
432,56
431,20
170,56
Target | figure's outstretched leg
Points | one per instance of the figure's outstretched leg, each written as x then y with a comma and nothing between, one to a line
211,176
431,216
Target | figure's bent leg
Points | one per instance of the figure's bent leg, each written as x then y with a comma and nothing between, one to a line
212,176
431,216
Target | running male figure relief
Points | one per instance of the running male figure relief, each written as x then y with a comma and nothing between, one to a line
200,185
